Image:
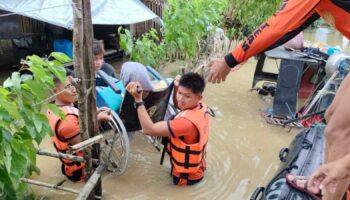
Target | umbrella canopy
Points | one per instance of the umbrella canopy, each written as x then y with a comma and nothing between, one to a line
60,12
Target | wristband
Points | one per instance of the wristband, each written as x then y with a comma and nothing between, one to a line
138,104
230,60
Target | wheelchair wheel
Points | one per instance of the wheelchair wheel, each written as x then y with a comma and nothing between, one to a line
115,151
157,140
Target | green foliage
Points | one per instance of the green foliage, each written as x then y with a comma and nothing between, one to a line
187,22
60,57
22,123
245,16
144,50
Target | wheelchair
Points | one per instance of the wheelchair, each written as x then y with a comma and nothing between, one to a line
111,93
113,137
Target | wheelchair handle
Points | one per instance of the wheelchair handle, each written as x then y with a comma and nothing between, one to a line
283,154
138,90
109,82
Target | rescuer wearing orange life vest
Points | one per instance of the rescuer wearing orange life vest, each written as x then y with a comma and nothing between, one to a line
187,131
66,131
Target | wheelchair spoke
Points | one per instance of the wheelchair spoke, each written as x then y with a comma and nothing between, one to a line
115,151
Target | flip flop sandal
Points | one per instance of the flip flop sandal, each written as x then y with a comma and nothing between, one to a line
303,189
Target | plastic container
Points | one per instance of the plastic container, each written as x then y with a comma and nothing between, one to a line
64,46
332,50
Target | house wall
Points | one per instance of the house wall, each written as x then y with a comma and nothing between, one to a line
157,7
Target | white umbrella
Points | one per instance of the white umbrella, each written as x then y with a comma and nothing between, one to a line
60,12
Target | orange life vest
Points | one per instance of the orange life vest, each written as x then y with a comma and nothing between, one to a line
60,143
189,158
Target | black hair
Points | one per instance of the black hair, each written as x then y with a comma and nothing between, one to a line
193,81
57,81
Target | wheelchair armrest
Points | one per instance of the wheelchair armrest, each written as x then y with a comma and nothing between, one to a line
109,81
156,74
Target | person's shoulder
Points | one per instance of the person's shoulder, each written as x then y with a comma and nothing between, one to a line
69,126
181,126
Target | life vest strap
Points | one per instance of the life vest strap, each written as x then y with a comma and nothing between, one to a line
183,179
184,164
65,162
187,157
185,151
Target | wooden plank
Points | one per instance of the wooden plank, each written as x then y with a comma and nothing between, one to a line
53,186
43,152
91,141
91,183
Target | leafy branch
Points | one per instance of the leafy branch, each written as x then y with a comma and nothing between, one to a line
23,122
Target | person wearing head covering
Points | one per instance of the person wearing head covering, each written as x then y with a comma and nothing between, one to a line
133,71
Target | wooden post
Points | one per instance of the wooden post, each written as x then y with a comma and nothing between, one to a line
84,70
91,183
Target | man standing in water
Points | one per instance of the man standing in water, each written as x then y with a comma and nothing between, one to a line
188,131
66,131
292,17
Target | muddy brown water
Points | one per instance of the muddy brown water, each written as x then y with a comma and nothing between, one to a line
242,153
242,150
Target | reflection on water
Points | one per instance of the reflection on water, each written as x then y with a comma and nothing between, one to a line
321,34
324,34
242,151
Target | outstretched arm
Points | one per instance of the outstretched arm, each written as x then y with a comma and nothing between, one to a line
292,17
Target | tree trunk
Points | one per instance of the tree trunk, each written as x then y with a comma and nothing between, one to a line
84,70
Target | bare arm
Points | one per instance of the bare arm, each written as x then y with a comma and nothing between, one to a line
150,128
176,86
338,134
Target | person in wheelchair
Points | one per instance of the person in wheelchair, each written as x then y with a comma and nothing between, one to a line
66,131
187,131
156,93
134,71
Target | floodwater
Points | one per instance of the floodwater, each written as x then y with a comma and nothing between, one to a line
242,151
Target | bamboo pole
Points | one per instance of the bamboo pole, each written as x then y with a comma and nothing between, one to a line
91,183
52,186
59,155
43,152
91,141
